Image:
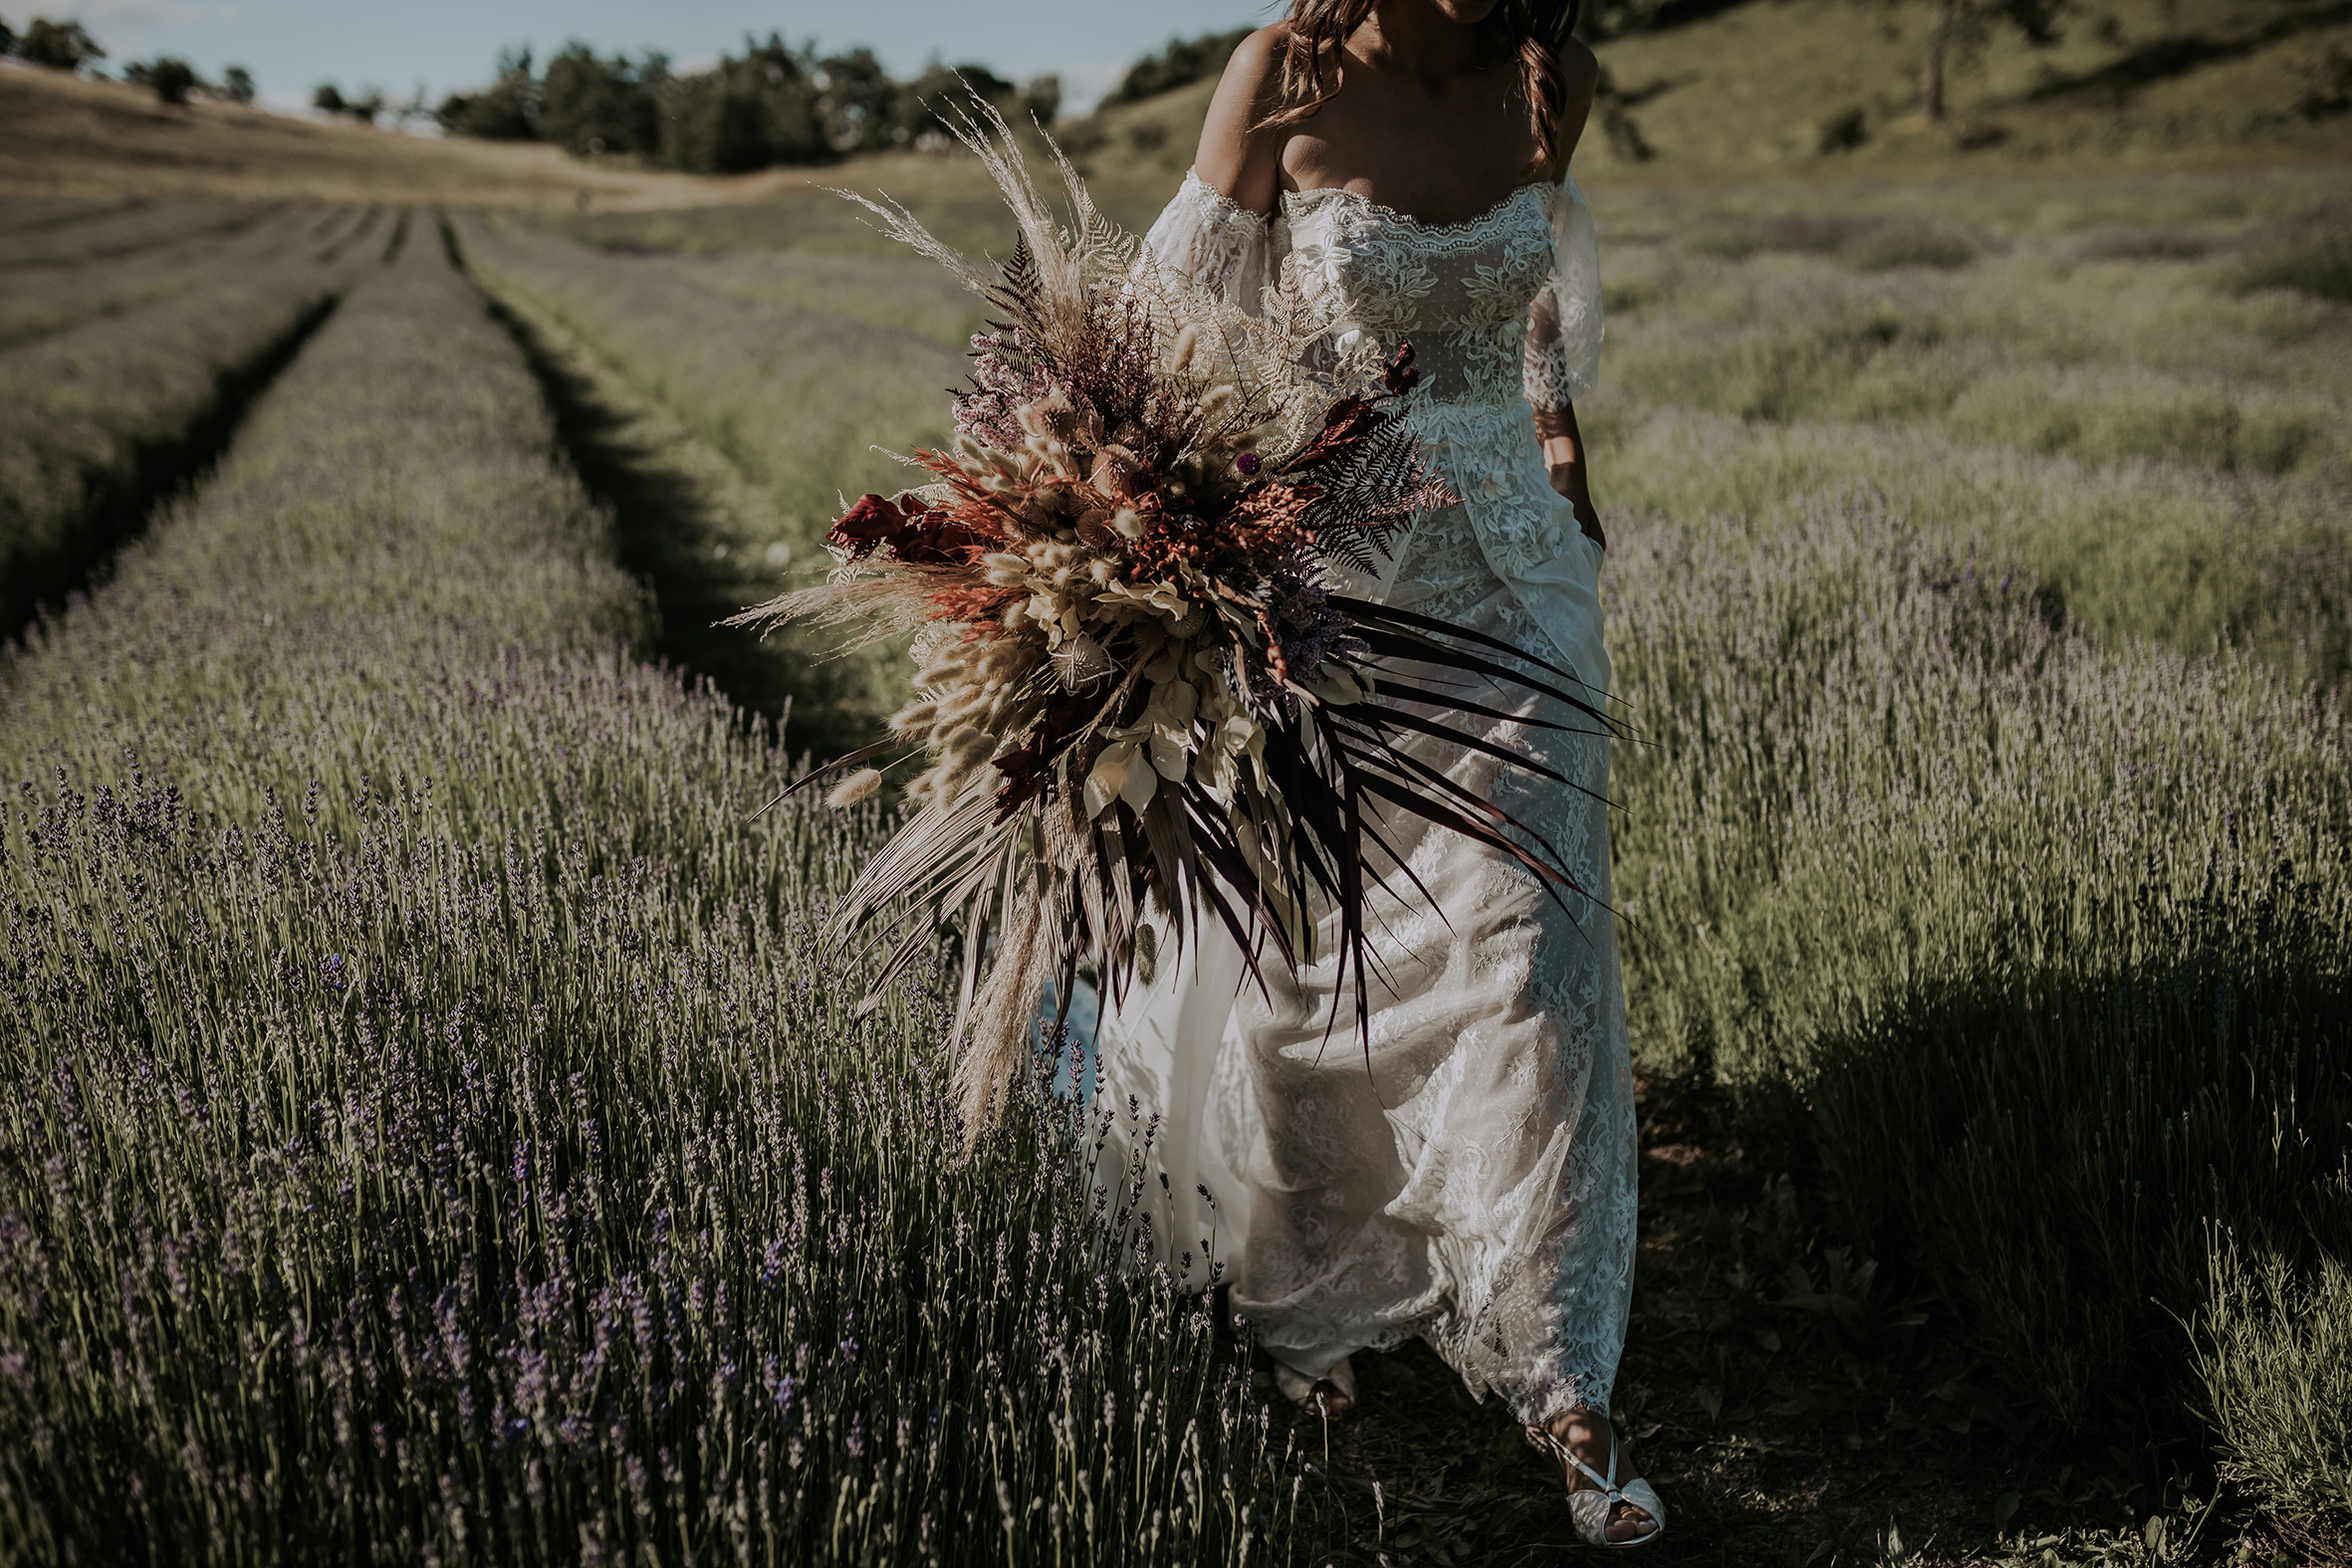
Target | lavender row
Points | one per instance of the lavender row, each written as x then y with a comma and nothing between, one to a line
135,372
434,1127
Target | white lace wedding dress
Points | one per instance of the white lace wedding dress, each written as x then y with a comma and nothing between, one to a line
1473,1181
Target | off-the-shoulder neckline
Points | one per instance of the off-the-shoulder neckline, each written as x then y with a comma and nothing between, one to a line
1193,177
1383,209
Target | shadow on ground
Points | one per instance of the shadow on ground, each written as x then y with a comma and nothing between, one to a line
1776,1435
672,535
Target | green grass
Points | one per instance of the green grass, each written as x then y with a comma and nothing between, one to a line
2275,1364
1817,91
435,1128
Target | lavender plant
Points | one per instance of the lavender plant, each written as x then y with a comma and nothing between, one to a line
2093,400
428,1134
106,413
2042,951
52,293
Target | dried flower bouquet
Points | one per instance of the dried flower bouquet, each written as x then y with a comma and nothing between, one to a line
1141,691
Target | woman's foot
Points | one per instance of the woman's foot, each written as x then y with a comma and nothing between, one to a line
1332,1394
1593,1460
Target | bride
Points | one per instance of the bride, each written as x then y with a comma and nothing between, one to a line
1468,1177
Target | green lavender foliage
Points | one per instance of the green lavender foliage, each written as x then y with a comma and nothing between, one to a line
48,293
2275,1361
1980,587
1979,581
2097,398
1989,826
138,349
51,231
792,388
436,1130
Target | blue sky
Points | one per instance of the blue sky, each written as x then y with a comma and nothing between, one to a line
290,45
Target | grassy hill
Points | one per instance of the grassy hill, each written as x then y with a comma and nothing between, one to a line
67,137
1765,88
1823,87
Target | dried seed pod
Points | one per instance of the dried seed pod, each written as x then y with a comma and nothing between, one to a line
1082,663
1115,468
1059,417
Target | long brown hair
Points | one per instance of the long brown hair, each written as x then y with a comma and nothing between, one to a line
1533,31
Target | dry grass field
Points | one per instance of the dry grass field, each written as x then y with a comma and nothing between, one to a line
63,136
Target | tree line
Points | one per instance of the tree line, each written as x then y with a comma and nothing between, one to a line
68,45
773,103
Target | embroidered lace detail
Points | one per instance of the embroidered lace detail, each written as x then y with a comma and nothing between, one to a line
1563,359
1466,1175
1460,291
1209,237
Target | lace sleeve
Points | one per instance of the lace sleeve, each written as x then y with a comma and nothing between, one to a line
1204,236
1563,358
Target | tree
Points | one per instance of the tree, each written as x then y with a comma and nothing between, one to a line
236,84
506,110
61,46
328,99
7,39
601,106
1042,96
928,105
1962,27
169,76
1183,62
858,101
745,114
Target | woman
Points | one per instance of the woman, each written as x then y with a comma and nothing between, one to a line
1470,1177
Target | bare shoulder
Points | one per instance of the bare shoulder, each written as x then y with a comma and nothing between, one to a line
1580,72
1255,65
1239,155
1580,82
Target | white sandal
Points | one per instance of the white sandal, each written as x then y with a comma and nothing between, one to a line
1590,1509
1300,1389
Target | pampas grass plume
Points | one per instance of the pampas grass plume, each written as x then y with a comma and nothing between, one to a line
857,787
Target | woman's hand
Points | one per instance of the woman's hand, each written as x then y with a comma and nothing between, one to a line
1564,465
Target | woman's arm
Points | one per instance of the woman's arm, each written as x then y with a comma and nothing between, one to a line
1563,460
1243,163
1563,443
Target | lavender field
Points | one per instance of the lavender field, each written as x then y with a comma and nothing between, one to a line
434,1127
433,1130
